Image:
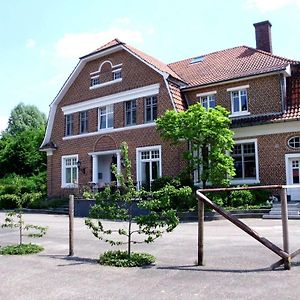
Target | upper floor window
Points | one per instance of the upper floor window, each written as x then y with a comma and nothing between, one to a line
245,161
117,74
294,142
239,100
208,101
150,109
130,112
95,80
106,117
83,122
69,124
69,171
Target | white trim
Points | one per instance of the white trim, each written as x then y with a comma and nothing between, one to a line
96,86
239,114
237,88
249,181
109,130
105,152
206,94
149,90
63,172
137,161
101,65
288,177
116,70
246,78
95,76
267,129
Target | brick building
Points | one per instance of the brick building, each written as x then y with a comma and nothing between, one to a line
116,92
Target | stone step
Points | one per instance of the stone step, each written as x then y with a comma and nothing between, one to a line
293,217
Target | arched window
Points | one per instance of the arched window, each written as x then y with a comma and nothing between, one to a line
294,142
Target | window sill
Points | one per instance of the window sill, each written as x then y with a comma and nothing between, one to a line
239,114
105,83
244,181
70,186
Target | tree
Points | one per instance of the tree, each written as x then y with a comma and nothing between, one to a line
117,203
20,153
210,139
25,117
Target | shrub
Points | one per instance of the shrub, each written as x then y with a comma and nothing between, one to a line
122,259
21,249
241,198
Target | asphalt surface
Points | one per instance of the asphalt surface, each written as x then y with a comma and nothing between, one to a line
236,266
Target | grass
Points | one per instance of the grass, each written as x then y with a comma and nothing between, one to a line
22,249
122,259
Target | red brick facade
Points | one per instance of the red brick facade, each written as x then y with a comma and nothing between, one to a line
265,97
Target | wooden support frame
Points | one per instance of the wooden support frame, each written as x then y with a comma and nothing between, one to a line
283,253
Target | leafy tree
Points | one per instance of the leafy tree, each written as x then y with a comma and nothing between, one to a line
117,203
25,117
20,153
209,137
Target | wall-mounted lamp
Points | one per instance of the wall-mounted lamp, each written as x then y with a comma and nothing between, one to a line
79,167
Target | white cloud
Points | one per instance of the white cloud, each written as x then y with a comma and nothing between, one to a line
269,5
74,45
3,123
30,43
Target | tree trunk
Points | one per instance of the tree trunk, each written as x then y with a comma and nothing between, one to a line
129,229
205,165
20,227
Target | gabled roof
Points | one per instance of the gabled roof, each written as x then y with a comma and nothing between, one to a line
228,64
157,64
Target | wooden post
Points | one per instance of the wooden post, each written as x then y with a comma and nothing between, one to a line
71,225
285,233
200,231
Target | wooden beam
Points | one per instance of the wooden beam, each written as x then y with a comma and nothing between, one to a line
241,188
242,226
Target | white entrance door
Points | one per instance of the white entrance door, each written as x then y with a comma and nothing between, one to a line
293,175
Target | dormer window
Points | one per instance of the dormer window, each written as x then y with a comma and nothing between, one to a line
95,80
117,74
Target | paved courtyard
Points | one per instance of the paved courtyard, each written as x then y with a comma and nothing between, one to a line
237,267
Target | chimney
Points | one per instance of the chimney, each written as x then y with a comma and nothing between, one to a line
263,36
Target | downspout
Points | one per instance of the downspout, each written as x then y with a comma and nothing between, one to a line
283,92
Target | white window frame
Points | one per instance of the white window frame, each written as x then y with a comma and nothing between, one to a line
239,89
293,138
64,184
139,150
152,119
116,74
109,111
207,97
95,81
249,181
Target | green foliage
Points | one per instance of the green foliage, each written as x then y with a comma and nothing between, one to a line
20,153
209,136
118,203
240,199
21,249
32,190
122,259
24,117
181,202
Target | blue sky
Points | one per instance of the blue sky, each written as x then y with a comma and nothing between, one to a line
41,41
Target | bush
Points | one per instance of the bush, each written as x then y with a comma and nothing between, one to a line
241,198
122,259
179,203
21,249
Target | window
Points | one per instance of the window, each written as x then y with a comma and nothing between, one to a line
208,101
149,165
69,125
95,80
83,122
239,101
106,117
69,171
245,161
130,112
117,74
150,109
294,142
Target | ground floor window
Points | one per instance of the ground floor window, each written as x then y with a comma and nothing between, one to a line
69,171
148,165
246,161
